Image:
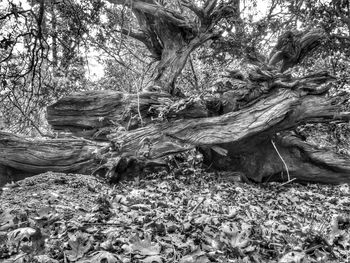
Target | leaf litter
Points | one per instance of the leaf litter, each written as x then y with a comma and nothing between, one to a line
190,217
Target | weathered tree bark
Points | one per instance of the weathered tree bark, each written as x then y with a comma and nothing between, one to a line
95,114
259,160
41,155
311,164
293,47
171,36
21,157
237,136
105,112
235,128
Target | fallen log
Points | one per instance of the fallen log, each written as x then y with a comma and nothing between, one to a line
234,127
97,113
40,155
283,155
244,137
94,115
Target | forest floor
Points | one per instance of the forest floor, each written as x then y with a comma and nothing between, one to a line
192,217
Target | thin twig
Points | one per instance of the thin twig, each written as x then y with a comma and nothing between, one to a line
312,248
194,74
285,165
288,182
196,207
138,107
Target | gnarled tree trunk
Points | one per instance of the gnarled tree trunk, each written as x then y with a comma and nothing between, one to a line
248,127
239,137
170,36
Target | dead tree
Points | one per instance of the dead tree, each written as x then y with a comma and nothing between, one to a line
248,127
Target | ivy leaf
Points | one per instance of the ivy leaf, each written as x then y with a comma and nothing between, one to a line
233,237
45,213
80,244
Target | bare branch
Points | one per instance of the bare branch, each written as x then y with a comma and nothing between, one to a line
155,10
140,36
209,6
341,37
224,11
193,7
293,47
16,14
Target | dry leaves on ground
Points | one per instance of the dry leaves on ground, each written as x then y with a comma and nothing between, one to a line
165,218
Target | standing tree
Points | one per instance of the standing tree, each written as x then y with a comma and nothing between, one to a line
248,125
171,33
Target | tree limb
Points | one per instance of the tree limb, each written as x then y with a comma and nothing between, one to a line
155,10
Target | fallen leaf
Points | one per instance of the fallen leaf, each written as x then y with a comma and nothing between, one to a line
144,247
17,235
152,259
293,257
101,257
196,256
45,259
80,244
